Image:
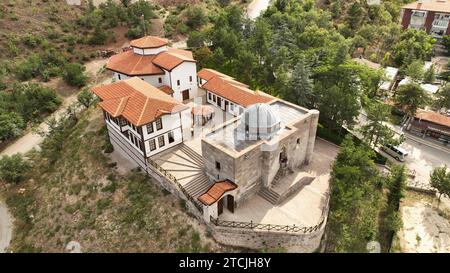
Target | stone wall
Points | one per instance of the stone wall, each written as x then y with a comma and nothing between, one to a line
260,239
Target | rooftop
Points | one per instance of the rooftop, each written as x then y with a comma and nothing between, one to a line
216,191
433,117
136,100
430,5
149,42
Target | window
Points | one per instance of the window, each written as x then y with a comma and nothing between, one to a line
160,80
161,141
152,144
118,76
214,98
149,128
139,130
190,78
217,165
158,124
171,137
209,96
123,122
178,82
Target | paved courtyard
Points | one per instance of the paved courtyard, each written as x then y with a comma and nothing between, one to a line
302,209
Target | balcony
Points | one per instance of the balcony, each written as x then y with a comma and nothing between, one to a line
439,23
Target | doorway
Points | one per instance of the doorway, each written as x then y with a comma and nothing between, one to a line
185,94
230,203
220,207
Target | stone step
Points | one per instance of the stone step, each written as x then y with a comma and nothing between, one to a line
193,154
198,186
268,194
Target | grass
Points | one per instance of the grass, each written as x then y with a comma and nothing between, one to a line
82,197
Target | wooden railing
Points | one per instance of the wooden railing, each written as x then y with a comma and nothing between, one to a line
268,227
172,178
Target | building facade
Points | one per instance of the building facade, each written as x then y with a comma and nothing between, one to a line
432,16
141,119
172,70
432,125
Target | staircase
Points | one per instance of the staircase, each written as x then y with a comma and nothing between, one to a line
193,155
198,186
270,195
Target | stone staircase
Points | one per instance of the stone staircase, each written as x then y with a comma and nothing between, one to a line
193,155
270,195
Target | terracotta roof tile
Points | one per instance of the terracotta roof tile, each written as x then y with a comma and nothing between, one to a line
207,74
149,42
132,64
216,191
166,89
430,5
433,117
136,100
235,91
172,58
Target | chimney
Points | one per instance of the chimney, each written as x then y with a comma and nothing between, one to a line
419,4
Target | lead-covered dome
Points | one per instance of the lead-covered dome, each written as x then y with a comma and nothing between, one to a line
259,121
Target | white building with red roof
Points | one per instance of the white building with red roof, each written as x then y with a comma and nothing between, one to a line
150,58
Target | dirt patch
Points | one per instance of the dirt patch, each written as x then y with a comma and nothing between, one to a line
425,228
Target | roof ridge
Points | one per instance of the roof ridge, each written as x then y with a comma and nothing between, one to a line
143,109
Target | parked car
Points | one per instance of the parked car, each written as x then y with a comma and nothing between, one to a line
395,151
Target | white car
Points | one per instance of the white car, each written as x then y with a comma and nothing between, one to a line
395,151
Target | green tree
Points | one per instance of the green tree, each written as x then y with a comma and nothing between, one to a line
412,97
301,85
85,97
11,125
74,74
440,180
196,17
376,131
13,169
446,42
415,70
371,80
443,97
413,45
430,75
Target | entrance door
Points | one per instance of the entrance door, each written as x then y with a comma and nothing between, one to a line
185,94
219,102
230,203
220,207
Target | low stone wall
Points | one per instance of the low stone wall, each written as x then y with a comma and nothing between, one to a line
260,239
299,185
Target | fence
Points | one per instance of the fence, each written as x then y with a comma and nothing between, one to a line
172,178
268,227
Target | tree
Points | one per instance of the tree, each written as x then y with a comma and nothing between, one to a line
85,97
443,97
413,45
411,96
13,169
196,17
196,39
446,42
99,36
376,131
301,85
430,75
440,180
371,80
11,125
125,3
415,70
74,74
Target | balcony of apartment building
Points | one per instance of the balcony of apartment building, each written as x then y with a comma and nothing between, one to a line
440,25
417,19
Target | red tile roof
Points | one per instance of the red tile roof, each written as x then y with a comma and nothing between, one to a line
136,100
132,64
166,89
235,91
172,58
149,42
216,191
207,74
433,117
430,5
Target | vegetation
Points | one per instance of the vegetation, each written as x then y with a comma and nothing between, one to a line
13,169
440,180
74,75
358,201
411,97
376,131
443,97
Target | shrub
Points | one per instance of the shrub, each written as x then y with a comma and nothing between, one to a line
196,17
11,125
85,97
13,169
74,75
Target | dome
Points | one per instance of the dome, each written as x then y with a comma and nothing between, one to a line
259,121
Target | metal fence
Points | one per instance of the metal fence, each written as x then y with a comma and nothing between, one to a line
268,227
172,178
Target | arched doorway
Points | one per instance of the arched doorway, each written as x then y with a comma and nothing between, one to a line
228,202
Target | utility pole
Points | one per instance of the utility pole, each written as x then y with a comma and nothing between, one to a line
143,25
